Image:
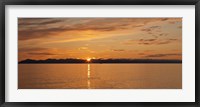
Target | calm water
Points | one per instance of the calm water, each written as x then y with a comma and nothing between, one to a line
100,76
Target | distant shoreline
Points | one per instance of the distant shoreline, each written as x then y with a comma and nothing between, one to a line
98,61
102,63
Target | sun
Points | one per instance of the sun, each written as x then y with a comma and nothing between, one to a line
88,59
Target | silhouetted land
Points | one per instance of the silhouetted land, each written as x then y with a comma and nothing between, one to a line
71,60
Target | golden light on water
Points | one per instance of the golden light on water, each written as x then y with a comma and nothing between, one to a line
88,74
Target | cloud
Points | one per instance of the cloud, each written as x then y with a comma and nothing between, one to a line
129,42
155,27
34,28
163,55
159,28
118,50
152,30
40,21
180,27
38,33
136,26
153,41
156,41
173,39
42,53
146,29
35,33
141,53
163,34
164,19
174,22
83,48
147,40
31,49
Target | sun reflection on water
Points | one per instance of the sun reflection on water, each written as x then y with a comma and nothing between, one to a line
88,75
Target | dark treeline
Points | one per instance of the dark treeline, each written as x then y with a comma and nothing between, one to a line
71,60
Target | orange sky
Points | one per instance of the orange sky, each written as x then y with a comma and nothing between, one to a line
136,38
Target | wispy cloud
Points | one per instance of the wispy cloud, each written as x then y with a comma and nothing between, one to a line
83,48
163,34
30,28
163,55
156,41
118,50
31,49
34,22
42,53
180,27
153,41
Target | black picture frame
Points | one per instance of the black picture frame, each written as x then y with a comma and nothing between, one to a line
3,3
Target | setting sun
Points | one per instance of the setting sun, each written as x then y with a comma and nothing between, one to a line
88,59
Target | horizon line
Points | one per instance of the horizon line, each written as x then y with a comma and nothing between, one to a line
101,60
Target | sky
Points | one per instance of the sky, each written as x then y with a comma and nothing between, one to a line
131,38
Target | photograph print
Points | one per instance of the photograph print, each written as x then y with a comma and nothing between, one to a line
100,53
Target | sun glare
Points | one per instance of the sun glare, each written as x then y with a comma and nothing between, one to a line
88,59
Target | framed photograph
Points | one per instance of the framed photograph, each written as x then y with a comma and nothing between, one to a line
100,53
